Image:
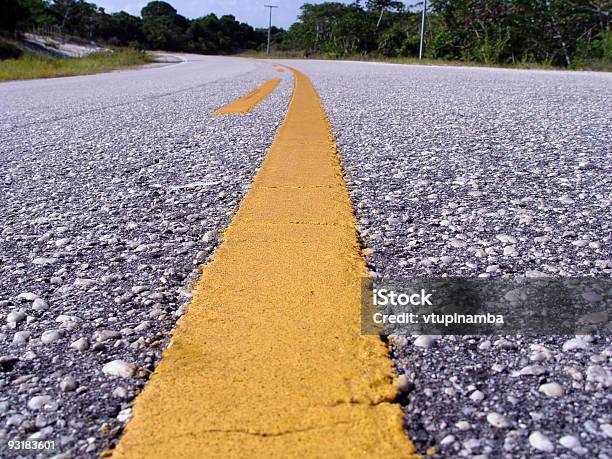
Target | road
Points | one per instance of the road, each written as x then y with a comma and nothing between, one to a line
442,164
114,187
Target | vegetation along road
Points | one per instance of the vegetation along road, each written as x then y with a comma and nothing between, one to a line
115,188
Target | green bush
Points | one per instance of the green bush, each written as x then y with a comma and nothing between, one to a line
32,65
9,51
390,41
594,55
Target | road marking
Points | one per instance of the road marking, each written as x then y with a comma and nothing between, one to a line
269,360
248,102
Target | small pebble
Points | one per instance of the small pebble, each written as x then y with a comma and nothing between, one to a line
574,344
572,443
27,296
448,440
403,383
16,317
21,337
529,370
80,344
37,402
540,442
40,305
599,375
68,384
426,341
498,420
119,368
51,336
463,425
552,389
477,396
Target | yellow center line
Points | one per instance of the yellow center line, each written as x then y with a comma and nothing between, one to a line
269,360
248,102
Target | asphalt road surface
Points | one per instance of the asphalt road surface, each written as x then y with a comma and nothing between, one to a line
485,172
114,187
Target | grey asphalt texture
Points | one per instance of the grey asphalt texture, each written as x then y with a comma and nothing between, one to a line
113,189
485,172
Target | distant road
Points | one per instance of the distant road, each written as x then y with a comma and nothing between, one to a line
46,99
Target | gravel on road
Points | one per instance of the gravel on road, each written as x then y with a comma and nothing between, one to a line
485,172
113,189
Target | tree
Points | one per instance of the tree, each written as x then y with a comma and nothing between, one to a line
569,33
332,27
382,6
158,9
120,29
162,27
75,17
14,12
202,34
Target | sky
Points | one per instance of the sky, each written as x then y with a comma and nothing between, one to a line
249,11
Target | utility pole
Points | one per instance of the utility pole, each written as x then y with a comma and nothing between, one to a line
269,26
422,29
